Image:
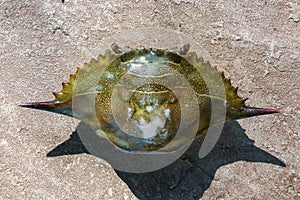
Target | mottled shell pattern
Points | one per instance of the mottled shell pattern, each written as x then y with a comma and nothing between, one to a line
140,98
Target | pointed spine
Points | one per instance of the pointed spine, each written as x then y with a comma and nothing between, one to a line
252,111
64,108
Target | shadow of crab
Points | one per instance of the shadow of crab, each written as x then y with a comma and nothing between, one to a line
188,177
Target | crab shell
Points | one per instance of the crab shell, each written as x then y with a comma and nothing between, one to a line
145,99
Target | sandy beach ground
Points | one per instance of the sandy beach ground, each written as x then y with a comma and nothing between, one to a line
256,43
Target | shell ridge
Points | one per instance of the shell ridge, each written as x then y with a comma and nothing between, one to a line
80,77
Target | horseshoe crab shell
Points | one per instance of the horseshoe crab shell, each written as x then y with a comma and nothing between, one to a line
139,99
